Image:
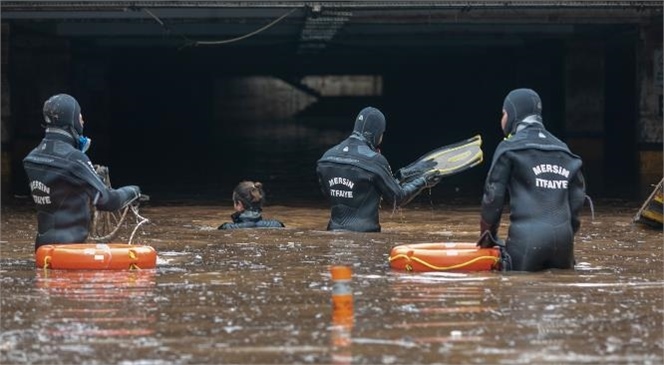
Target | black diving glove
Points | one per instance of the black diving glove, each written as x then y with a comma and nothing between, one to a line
414,170
130,192
487,240
433,178
412,188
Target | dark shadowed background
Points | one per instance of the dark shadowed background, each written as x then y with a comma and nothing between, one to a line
189,121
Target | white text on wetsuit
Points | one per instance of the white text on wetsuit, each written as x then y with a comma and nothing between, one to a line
336,193
37,185
550,184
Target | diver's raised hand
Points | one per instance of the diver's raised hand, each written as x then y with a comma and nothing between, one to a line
433,178
414,170
131,192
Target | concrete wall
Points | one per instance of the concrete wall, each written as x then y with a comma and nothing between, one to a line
650,130
257,98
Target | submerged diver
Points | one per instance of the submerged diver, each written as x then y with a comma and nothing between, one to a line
63,182
248,199
354,175
545,186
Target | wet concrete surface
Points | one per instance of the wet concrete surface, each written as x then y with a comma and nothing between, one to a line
264,296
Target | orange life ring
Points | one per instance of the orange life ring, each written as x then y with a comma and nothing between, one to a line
92,256
444,256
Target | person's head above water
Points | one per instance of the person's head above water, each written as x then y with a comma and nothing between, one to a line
248,195
370,124
63,111
519,104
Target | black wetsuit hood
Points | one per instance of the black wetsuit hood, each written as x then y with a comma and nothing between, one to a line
370,125
63,111
519,105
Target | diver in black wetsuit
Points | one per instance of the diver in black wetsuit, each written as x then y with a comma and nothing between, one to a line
354,175
545,186
63,181
248,198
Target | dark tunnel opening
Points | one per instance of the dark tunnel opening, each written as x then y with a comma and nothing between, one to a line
184,125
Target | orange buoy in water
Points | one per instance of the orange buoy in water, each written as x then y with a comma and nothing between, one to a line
444,256
92,256
342,295
342,315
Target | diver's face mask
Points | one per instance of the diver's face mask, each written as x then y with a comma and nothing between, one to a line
83,141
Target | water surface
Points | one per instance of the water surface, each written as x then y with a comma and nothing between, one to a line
264,296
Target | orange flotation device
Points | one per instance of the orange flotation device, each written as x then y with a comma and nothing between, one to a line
444,256
92,256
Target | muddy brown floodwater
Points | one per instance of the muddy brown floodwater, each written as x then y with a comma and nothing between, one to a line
264,296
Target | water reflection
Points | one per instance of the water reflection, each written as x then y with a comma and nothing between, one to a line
97,303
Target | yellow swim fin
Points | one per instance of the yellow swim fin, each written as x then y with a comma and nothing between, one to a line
447,160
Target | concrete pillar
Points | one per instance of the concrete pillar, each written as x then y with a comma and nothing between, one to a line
649,135
5,115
